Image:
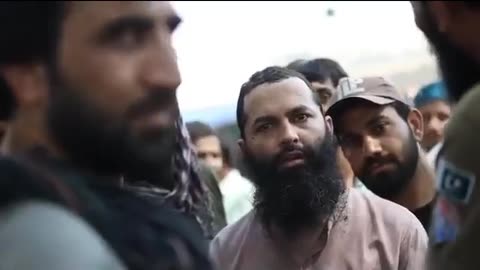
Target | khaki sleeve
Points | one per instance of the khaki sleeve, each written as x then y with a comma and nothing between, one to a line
458,177
414,247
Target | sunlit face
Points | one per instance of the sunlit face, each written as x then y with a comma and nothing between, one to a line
290,150
435,116
113,93
380,147
324,90
279,117
209,151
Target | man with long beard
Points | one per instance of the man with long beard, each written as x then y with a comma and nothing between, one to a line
304,217
452,29
89,92
380,133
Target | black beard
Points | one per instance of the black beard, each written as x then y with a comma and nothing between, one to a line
298,198
94,141
390,184
459,70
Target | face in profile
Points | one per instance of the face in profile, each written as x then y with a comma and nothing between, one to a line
459,69
380,146
288,146
113,101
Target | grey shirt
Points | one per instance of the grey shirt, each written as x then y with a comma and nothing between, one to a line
40,235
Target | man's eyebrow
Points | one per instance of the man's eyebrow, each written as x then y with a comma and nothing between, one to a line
299,108
118,25
265,118
376,119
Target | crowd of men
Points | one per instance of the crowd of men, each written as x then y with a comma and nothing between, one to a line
99,171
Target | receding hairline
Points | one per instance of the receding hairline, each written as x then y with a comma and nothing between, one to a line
256,88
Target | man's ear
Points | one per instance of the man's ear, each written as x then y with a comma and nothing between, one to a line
415,122
28,83
241,145
329,125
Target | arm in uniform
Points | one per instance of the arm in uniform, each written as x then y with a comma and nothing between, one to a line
455,233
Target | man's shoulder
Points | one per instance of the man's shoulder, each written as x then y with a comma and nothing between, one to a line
383,212
231,238
44,232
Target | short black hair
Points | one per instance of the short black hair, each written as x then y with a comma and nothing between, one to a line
320,69
268,75
297,63
29,33
198,130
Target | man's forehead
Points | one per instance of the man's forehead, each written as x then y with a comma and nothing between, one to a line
105,10
279,97
324,84
361,115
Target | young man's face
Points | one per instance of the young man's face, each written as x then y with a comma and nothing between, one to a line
325,91
209,151
435,116
113,92
380,146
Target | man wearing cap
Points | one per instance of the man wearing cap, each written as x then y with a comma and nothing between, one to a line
304,217
433,102
451,27
379,133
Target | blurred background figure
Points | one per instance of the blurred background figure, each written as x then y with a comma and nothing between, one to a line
207,145
324,75
208,151
451,28
236,191
433,102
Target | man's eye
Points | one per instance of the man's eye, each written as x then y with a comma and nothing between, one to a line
263,127
130,39
301,117
379,128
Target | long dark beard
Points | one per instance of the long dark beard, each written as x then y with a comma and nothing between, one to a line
459,70
103,144
298,198
390,184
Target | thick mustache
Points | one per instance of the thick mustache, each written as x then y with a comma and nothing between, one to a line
377,161
159,99
293,148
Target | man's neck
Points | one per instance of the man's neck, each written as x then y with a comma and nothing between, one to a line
25,133
28,133
421,189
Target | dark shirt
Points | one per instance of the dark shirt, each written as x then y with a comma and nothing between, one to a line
142,234
424,214
216,199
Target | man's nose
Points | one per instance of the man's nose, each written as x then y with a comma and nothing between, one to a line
159,68
371,146
434,126
289,134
